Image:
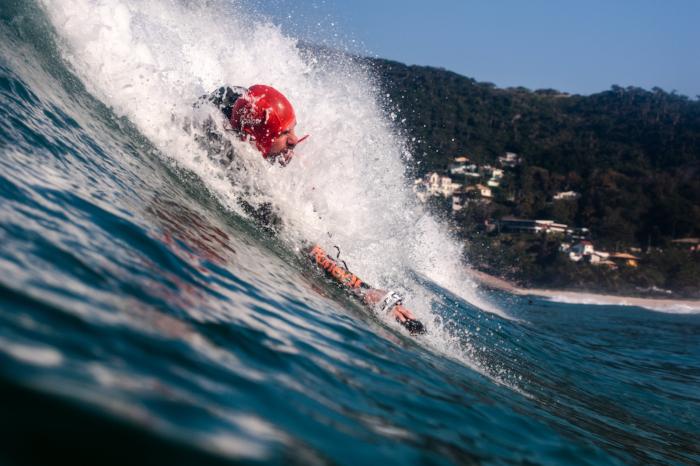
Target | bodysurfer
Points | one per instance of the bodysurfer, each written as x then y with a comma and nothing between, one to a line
264,117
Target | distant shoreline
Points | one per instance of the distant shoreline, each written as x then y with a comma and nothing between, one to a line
582,297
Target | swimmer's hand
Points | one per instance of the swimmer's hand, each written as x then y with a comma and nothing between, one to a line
402,314
374,296
388,302
406,318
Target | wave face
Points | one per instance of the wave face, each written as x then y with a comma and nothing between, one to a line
144,318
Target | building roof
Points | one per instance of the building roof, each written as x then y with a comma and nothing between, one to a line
686,241
623,255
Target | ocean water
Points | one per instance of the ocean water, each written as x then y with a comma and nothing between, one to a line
144,319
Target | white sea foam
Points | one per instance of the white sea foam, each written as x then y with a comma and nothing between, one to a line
150,60
670,306
43,356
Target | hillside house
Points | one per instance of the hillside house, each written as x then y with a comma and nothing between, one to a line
566,196
434,184
493,174
510,160
584,251
478,194
496,173
484,192
517,225
578,233
458,166
625,259
689,244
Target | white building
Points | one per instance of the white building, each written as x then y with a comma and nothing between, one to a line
496,173
566,196
484,191
531,226
458,166
584,250
471,171
582,233
510,159
581,249
434,184
478,194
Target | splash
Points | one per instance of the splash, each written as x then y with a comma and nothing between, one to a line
346,187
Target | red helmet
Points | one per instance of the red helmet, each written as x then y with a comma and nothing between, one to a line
263,113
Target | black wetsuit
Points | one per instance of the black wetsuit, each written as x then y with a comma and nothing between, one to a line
220,149
217,147
224,98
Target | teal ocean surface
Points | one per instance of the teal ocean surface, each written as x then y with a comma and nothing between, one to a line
145,321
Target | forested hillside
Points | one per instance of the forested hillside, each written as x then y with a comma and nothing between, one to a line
633,154
622,129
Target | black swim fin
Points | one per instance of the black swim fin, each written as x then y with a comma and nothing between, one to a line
414,327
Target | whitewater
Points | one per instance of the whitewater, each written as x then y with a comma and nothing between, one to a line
146,319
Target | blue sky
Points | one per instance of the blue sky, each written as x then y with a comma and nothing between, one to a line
574,46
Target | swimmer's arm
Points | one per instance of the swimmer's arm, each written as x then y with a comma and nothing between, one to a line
368,295
374,296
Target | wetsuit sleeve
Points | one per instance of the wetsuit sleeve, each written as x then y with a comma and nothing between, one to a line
336,271
224,98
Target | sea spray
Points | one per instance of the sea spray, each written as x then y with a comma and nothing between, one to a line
346,187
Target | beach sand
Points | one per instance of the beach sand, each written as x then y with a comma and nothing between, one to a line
582,297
